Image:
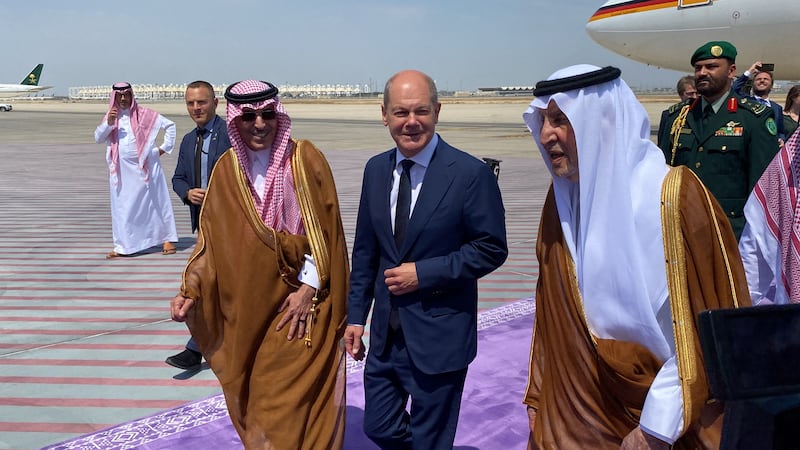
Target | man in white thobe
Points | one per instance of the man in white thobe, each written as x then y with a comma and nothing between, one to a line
141,212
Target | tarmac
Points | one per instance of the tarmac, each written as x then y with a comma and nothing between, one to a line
83,339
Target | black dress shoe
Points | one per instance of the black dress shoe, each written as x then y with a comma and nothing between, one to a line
186,360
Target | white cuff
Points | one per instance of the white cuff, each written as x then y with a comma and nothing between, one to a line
662,414
308,274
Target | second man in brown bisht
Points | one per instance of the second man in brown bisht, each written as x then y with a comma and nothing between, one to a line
615,359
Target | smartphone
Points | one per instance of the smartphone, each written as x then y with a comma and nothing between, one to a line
767,67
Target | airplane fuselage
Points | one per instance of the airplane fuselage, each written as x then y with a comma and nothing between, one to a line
19,90
665,33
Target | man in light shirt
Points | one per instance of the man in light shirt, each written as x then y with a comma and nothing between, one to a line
141,211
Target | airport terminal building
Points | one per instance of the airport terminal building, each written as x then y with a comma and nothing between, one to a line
172,92
508,91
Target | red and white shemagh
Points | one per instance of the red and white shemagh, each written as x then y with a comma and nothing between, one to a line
142,121
776,191
279,208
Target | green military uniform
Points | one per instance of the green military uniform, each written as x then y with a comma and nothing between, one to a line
728,151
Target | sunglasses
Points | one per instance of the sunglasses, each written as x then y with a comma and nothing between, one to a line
266,114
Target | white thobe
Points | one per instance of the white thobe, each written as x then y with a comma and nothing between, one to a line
258,173
141,211
761,256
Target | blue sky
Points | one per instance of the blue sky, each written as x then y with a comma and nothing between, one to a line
463,45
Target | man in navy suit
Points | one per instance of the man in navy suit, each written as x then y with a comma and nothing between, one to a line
421,245
761,87
200,148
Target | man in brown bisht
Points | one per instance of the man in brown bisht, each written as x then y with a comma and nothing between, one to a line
615,358
271,256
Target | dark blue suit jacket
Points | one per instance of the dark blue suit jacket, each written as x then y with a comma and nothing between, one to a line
184,177
456,235
739,84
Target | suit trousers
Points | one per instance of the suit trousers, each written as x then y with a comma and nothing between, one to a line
389,380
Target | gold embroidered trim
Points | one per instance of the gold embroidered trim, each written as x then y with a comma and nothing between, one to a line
313,227
675,131
311,223
677,282
674,252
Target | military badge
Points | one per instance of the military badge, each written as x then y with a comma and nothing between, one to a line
731,129
771,126
716,51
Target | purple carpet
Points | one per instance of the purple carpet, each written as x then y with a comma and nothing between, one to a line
492,414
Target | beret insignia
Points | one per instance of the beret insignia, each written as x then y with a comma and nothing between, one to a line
715,49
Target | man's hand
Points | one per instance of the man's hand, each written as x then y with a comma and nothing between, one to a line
297,306
112,115
353,342
402,279
179,307
755,68
196,196
639,440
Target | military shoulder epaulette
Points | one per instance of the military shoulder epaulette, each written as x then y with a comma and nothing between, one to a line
677,106
753,106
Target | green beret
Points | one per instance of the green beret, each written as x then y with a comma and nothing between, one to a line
715,49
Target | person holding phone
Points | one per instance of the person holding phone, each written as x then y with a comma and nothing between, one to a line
759,88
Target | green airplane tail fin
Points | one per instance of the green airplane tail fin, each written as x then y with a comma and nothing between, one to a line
33,78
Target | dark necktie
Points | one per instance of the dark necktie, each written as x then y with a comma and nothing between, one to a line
708,111
198,158
402,210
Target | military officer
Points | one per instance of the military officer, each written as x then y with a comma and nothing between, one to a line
726,139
